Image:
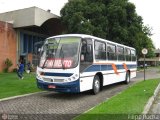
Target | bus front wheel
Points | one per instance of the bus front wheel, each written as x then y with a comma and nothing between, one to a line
96,85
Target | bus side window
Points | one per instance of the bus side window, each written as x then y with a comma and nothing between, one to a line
120,53
128,54
111,52
133,55
86,51
100,50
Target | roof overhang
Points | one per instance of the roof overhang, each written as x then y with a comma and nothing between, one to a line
33,16
157,51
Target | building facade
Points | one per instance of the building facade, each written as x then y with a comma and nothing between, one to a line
8,44
23,31
155,61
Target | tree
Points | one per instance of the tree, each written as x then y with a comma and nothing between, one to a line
115,20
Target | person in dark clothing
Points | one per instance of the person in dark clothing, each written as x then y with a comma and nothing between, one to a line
20,69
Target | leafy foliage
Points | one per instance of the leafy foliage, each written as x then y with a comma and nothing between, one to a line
8,64
115,20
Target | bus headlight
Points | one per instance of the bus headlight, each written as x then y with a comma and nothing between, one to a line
76,75
69,79
39,77
73,78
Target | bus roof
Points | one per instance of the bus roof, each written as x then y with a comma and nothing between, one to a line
90,36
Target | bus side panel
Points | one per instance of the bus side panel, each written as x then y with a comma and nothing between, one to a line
111,78
86,81
133,73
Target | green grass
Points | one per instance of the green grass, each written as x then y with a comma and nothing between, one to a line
11,85
129,102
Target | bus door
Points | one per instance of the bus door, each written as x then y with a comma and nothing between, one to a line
86,56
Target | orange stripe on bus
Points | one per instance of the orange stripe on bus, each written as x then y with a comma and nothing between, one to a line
115,68
125,66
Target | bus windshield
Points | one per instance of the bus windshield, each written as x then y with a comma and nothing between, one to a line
61,52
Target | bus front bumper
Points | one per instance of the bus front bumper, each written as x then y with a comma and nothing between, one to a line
67,87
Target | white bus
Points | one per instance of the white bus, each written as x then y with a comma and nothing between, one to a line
76,63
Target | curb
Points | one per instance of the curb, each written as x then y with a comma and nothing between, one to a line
151,100
19,96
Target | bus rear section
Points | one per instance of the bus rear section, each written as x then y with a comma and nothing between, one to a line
108,63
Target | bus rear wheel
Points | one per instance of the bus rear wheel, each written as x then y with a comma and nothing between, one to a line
96,85
127,80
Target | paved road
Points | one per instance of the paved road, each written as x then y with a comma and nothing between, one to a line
150,73
51,105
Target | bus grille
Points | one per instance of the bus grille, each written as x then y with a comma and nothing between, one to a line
58,80
53,80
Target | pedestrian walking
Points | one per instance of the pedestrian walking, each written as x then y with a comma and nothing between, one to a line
20,69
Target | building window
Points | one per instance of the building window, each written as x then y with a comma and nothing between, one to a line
25,43
29,42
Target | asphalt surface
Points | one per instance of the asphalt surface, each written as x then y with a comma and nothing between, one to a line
59,106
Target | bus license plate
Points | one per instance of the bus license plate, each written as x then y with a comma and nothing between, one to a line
51,86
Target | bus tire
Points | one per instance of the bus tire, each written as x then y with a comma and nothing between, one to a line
127,80
96,85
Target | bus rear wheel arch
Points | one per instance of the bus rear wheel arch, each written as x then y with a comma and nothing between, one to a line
127,78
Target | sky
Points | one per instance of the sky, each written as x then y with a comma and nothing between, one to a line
148,9
54,5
